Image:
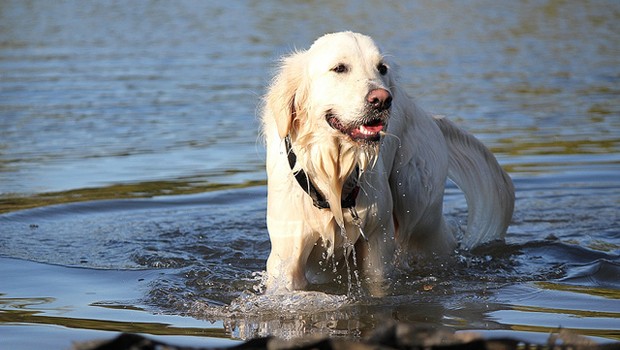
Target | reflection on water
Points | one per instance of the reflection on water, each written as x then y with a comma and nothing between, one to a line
144,189
199,258
148,107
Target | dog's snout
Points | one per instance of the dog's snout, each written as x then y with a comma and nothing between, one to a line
379,98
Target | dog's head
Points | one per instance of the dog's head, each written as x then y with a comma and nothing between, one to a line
340,87
334,101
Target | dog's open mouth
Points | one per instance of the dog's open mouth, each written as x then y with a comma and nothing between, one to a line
370,130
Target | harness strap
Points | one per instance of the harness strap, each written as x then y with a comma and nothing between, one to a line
306,184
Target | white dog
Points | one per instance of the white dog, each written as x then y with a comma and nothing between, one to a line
356,171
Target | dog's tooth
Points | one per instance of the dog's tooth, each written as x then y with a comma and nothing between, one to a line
365,131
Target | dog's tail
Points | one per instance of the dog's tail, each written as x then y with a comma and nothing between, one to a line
489,191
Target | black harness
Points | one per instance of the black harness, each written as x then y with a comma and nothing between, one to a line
306,184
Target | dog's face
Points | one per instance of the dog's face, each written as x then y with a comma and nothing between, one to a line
338,89
348,86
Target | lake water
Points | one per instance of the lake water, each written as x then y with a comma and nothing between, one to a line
132,173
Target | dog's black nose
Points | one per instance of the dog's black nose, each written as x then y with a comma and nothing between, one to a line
379,99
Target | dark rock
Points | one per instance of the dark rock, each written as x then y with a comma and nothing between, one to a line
394,336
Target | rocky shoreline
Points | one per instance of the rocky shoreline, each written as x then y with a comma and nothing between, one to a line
394,336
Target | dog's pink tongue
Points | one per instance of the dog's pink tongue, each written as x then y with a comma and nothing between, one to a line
373,128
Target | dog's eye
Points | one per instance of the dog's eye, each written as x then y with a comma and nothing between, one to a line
340,68
382,68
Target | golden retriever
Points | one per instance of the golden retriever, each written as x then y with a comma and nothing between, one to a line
356,170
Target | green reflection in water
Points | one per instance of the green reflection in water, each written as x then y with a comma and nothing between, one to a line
34,317
31,311
590,290
610,334
544,146
119,191
577,313
607,293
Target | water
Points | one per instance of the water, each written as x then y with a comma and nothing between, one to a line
132,181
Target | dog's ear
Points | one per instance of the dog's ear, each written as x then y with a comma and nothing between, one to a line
287,91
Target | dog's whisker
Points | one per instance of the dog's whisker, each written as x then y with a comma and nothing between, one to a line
387,134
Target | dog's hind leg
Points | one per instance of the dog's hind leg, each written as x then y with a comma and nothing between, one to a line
488,190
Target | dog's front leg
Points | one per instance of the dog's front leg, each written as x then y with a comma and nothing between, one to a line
376,257
290,247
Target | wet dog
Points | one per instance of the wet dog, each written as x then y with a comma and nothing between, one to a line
356,170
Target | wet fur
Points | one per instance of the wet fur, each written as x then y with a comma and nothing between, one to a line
402,177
